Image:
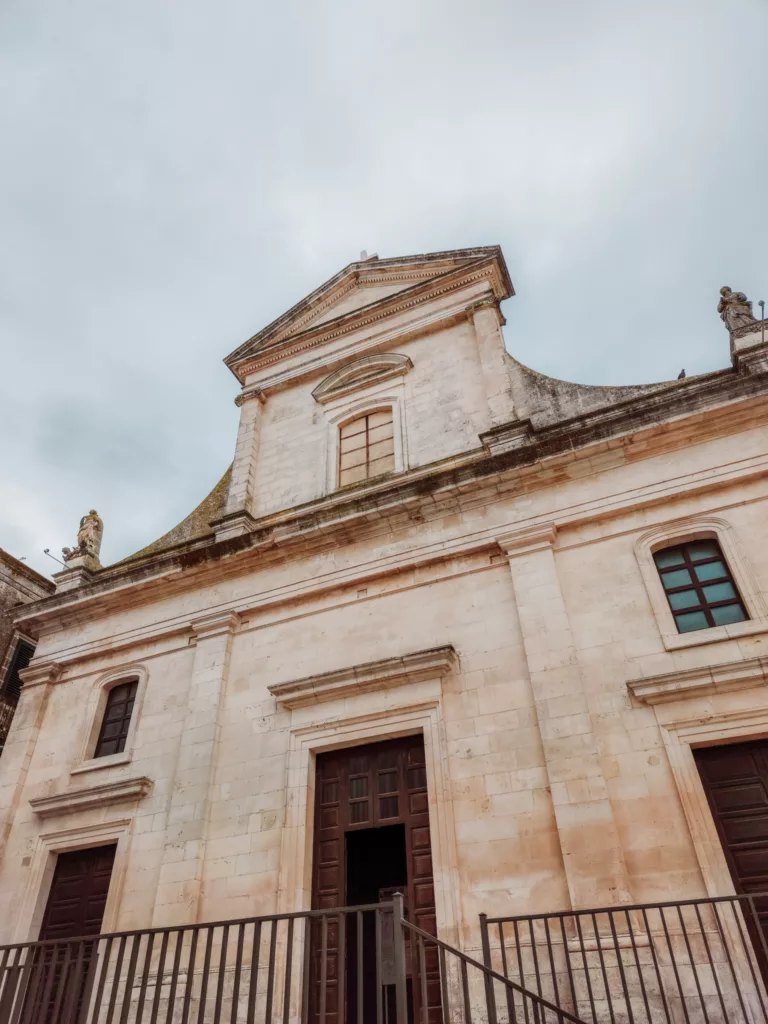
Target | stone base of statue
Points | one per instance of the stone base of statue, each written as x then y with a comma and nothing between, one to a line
80,569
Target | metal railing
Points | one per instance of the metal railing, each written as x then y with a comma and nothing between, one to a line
7,711
677,963
347,965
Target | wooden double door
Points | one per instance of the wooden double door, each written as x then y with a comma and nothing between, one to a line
372,839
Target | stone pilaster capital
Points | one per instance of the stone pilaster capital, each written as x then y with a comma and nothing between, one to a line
40,674
528,539
487,302
249,393
215,624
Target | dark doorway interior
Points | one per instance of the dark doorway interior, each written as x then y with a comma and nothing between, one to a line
376,867
376,861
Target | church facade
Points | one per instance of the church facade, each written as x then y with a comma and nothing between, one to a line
446,626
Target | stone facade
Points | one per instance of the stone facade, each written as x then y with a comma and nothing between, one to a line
516,532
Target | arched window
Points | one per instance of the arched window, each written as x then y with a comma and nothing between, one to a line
699,586
366,447
117,719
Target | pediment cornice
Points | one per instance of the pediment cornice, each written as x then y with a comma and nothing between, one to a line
297,331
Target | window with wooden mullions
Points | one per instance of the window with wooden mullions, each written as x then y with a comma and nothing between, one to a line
699,586
366,447
117,719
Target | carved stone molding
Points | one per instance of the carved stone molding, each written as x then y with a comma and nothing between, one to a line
507,438
206,626
40,674
362,372
699,682
249,393
373,675
93,796
528,539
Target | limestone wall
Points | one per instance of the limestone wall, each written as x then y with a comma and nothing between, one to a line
551,784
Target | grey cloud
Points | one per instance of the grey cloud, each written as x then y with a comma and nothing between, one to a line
174,176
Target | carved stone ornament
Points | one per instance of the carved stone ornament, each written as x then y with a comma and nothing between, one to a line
362,372
735,309
88,542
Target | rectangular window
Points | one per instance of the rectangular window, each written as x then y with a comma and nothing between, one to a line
366,447
117,719
699,586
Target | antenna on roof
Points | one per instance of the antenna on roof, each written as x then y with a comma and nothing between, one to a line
47,551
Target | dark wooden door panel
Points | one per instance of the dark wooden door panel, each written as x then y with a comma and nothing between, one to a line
61,973
735,779
362,788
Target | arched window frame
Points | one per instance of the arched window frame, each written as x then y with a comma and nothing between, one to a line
351,410
683,531
96,708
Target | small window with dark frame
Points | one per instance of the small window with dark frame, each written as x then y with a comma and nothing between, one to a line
366,447
699,586
117,719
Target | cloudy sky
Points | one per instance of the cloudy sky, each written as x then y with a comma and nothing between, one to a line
176,174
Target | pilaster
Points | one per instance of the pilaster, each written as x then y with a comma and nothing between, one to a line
238,509
487,320
181,873
38,681
589,839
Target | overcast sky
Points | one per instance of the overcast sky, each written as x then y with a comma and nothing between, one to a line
176,174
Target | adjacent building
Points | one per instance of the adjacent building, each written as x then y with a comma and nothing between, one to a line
446,626
19,585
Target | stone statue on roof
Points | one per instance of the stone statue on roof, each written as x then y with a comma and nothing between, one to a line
88,539
735,309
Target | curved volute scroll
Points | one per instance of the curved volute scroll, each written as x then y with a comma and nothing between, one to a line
361,373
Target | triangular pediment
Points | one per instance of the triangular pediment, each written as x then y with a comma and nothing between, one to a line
362,287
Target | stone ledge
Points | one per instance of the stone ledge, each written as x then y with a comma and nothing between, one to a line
94,796
700,682
373,675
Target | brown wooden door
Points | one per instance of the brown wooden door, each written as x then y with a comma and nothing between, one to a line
379,789
735,779
75,909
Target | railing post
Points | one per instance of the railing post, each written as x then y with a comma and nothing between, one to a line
401,991
490,995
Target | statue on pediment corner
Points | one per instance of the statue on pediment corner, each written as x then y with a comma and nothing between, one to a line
735,309
88,539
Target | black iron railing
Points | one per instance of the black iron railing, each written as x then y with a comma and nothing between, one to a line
676,963
7,711
349,965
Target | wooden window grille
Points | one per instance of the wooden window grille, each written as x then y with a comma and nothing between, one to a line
22,656
366,447
117,719
699,586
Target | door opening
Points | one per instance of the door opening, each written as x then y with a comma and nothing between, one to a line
377,867
376,864
372,839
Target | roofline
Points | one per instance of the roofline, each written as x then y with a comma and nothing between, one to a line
470,255
27,571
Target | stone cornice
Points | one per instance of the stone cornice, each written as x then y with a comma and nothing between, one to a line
374,675
451,479
700,682
40,674
206,626
105,795
527,540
